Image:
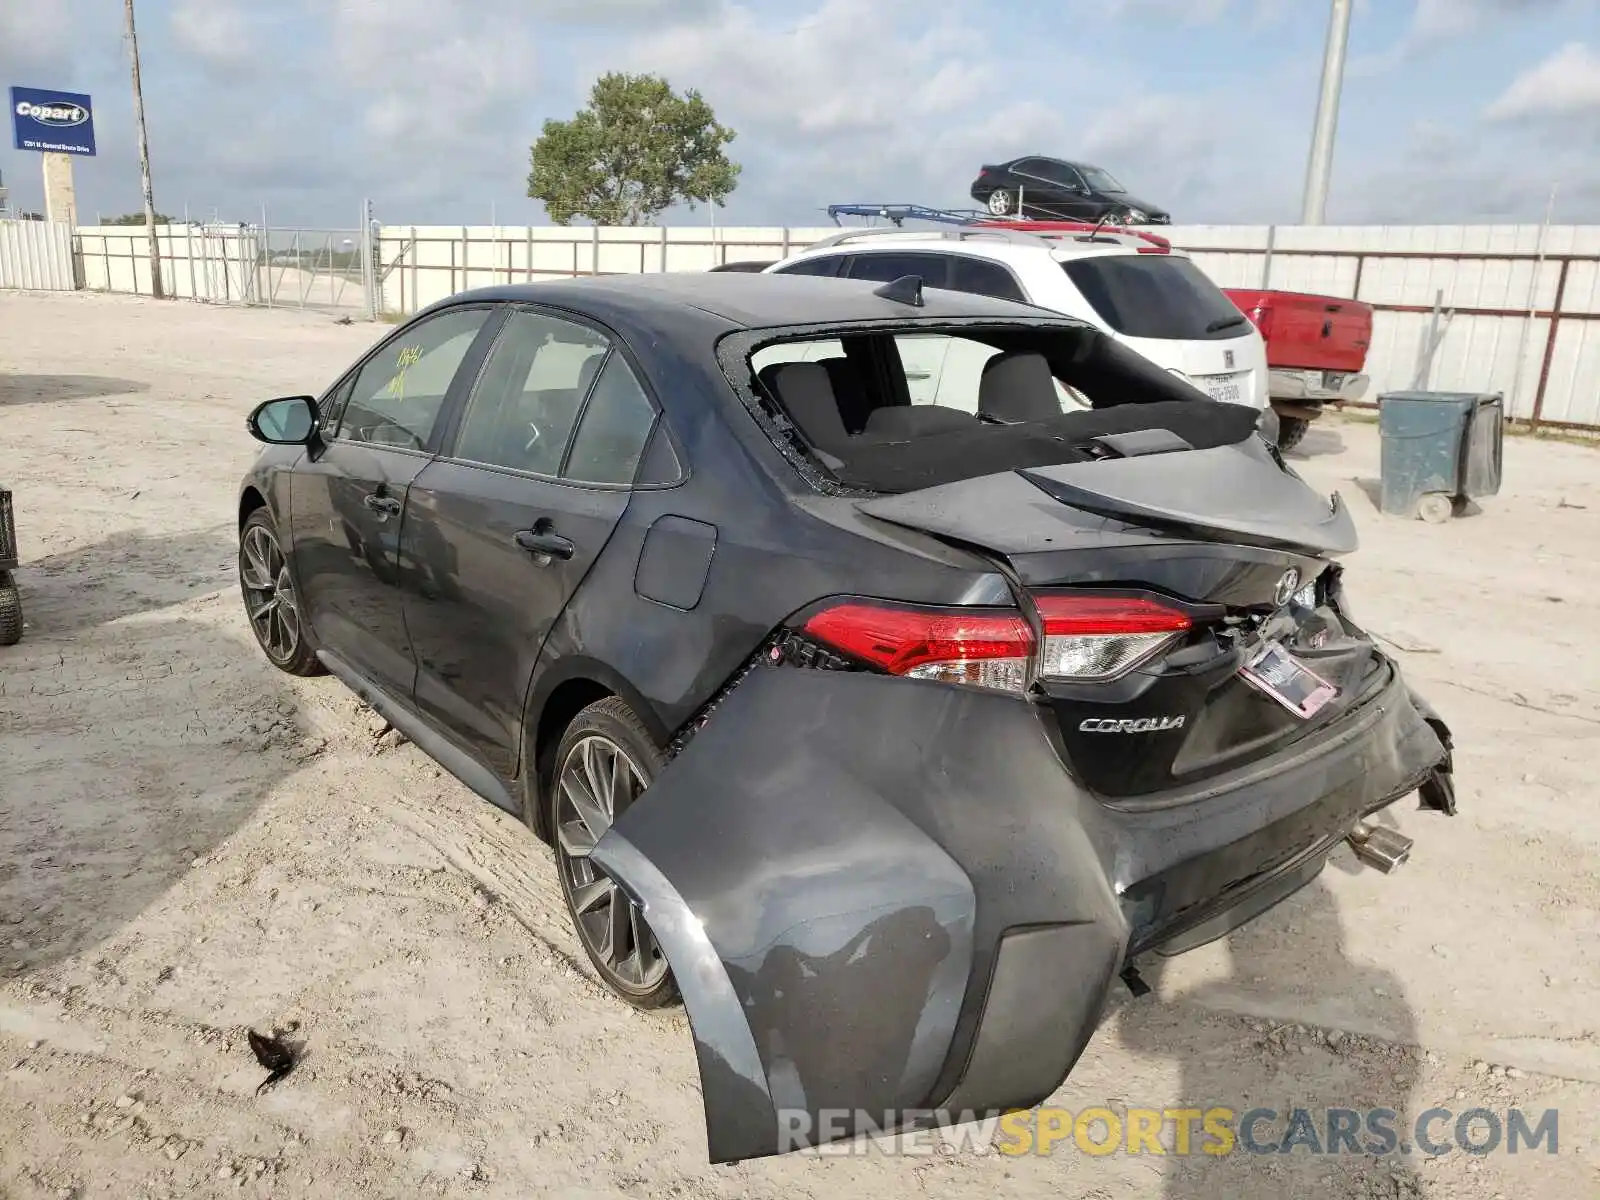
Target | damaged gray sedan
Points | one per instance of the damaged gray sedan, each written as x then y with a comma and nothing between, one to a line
886,668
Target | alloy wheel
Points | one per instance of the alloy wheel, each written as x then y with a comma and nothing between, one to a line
1000,202
594,784
269,597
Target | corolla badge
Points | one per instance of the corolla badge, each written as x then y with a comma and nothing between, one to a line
1288,585
1138,725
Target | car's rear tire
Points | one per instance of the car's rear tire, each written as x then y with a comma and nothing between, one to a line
1000,203
1291,431
605,759
271,604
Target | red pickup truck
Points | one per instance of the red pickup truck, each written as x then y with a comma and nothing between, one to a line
1316,352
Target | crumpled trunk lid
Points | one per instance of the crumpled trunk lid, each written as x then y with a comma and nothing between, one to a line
1230,532
1240,494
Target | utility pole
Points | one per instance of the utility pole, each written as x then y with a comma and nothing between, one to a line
144,160
1319,170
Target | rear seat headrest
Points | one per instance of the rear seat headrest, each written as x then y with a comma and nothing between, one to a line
1018,387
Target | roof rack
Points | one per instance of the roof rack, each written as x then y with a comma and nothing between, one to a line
900,213
949,235
972,218
1045,227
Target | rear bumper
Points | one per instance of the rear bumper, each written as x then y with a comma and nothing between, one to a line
1318,387
911,907
1265,824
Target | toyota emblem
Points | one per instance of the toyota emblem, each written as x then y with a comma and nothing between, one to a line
1288,585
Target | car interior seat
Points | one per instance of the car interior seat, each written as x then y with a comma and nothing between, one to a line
806,394
903,422
855,403
1018,387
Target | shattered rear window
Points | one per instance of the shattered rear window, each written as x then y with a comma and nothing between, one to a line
893,409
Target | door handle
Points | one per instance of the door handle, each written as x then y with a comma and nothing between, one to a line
543,540
386,506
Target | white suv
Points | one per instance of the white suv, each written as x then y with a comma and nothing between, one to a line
1149,297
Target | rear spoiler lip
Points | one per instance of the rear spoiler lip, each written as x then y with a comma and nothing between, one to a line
1340,537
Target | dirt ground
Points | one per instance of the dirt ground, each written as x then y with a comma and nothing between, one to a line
192,843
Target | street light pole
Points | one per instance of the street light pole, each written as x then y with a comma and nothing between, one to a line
1319,170
144,159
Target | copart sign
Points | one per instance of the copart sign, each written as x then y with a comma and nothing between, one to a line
60,122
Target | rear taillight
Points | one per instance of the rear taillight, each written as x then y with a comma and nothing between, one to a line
1095,638
990,648
1088,639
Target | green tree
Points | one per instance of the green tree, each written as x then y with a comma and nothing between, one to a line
637,149
137,218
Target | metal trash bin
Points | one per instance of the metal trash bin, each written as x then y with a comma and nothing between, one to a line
10,598
1440,449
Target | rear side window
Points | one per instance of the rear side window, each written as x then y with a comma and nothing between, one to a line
828,264
613,430
983,278
1156,296
932,269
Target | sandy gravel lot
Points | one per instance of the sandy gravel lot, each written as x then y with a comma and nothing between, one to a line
191,843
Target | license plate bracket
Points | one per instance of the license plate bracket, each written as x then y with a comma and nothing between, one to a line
1282,677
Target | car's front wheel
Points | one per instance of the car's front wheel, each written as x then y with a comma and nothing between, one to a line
270,601
1000,202
605,760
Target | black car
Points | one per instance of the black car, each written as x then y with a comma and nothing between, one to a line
1051,189
946,710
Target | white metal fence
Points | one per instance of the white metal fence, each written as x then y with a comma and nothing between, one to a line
36,256
1512,309
229,264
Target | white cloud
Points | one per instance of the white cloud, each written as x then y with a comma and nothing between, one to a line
1442,20
215,32
1567,84
882,104
311,104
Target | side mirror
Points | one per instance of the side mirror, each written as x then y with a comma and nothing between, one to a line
288,421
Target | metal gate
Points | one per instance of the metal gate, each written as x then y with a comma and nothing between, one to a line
223,263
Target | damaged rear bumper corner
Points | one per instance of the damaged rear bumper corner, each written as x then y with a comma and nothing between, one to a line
884,899
879,900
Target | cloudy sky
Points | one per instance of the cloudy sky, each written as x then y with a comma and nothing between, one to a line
1454,110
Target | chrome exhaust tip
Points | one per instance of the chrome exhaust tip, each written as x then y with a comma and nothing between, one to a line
1379,847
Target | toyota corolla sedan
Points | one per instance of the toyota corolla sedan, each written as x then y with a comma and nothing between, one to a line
884,733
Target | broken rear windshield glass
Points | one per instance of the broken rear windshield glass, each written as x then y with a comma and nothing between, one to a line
892,410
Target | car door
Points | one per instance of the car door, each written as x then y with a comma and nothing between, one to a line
503,527
347,500
1053,187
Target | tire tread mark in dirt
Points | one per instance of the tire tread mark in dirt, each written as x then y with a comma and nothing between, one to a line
510,865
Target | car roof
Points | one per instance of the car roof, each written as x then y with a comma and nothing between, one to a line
1060,249
744,300
1068,162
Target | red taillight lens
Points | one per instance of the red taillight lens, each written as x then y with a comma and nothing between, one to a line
1095,638
987,648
